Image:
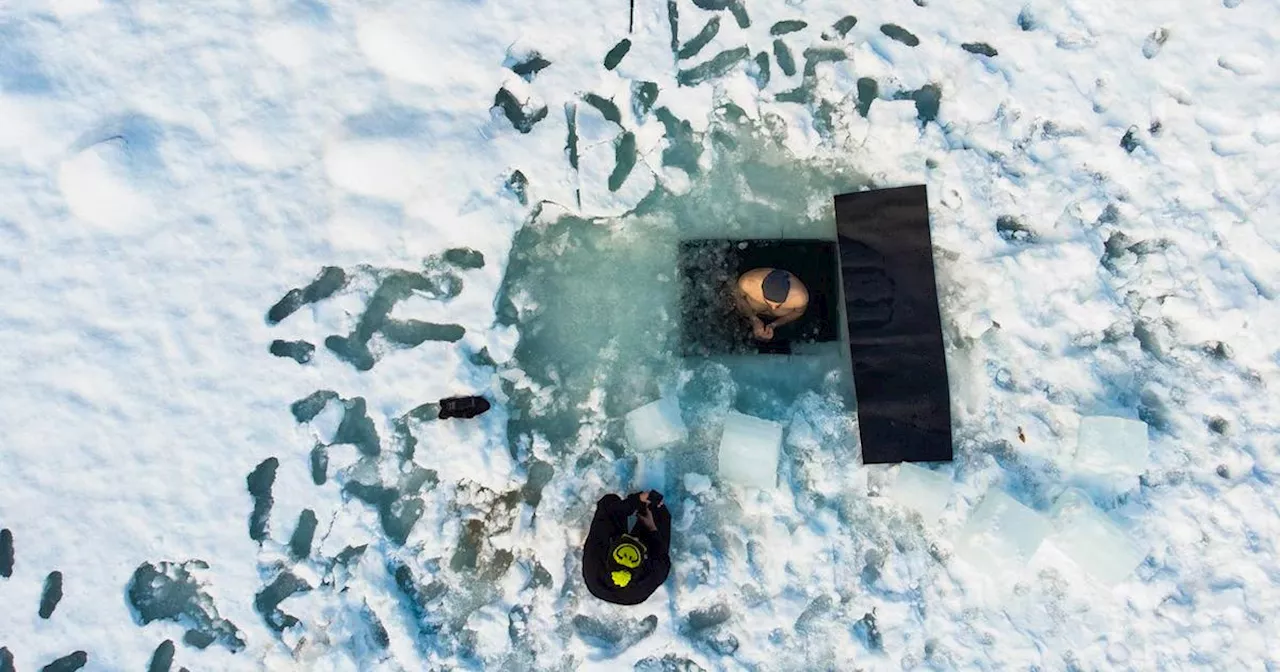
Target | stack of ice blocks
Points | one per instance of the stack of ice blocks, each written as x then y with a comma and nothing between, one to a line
749,451
921,490
1001,535
1089,537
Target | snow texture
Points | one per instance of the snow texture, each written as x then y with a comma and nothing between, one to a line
243,234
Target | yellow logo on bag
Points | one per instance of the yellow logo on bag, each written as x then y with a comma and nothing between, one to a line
627,555
621,578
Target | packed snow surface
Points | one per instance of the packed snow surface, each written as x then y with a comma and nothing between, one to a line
248,246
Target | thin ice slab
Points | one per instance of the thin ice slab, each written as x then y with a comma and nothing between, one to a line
1001,535
749,451
651,472
1112,446
1095,543
655,425
924,491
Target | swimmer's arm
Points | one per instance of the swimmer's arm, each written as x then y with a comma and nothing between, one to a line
743,307
787,318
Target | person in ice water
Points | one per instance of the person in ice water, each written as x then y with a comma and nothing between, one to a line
773,294
621,566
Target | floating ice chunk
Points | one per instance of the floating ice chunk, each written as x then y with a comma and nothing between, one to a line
1108,445
1095,543
655,425
921,490
696,484
1001,535
749,450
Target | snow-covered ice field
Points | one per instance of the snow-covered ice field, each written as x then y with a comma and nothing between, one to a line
246,245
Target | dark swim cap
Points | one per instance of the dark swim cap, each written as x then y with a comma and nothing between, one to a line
776,286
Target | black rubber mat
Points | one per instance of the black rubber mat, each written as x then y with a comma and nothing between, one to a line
709,323
895,330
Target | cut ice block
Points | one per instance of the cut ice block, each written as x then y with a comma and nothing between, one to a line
749,451
1001,535
655,425
921,490
1113,446
1095,543
651,472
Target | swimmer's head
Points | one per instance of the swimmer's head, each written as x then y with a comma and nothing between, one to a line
776,286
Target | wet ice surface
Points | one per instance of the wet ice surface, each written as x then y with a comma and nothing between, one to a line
248,270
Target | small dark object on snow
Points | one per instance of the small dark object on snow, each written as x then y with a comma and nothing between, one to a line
463,407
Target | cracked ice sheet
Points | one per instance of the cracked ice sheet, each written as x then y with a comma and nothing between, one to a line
137,354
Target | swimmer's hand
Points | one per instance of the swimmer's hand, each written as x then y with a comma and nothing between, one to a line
762,331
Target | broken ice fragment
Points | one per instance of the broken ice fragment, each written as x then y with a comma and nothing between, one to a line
749,450
922,490
655,425
1001,535
1095,543
651,472
1110,445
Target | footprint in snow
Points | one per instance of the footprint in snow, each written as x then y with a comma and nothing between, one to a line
50,596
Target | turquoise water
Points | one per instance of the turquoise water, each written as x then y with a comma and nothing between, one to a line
598,308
